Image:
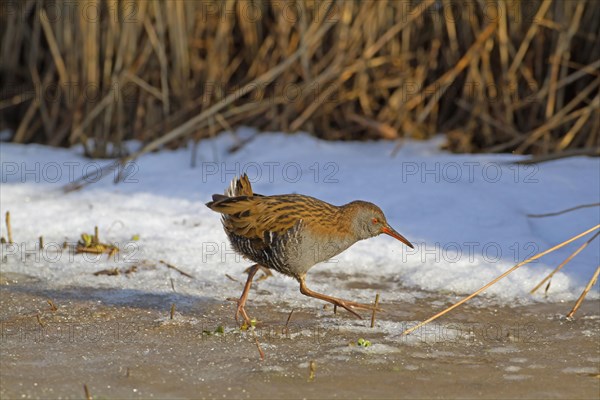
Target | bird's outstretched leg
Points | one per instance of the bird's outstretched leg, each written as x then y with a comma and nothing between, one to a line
242,301
266,272
348,305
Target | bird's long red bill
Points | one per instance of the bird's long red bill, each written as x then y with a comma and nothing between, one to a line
390,231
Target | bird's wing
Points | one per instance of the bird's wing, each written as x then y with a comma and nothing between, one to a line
256,217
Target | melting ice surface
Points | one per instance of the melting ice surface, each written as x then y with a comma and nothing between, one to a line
465,214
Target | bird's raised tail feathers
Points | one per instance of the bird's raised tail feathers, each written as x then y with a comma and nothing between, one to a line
239,187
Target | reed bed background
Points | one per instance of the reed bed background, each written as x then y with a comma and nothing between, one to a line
494,76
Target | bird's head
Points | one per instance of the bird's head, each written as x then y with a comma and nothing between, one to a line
367,221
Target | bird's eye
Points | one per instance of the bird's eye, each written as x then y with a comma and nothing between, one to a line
375,220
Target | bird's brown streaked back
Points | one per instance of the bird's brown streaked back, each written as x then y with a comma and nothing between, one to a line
252,216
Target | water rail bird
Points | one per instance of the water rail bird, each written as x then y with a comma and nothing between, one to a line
290,233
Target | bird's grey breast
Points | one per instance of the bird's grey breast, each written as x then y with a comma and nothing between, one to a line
315,248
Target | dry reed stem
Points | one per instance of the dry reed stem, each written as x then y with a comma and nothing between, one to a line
170,266
570,135
53,307
445,80
590,152
488,119
552,214
312,369
413,15
9,228
531,32
469,297
289,318
591,283
24,125
559,267
560,116
90,117
590,69
87,393
374,310
15,100
563,44
261,353
54,48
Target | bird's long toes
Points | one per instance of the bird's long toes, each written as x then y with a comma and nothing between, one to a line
363,306
350,310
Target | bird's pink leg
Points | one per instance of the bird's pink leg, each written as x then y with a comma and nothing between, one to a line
242,301
348,305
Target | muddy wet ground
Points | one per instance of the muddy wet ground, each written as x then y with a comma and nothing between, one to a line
128,347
